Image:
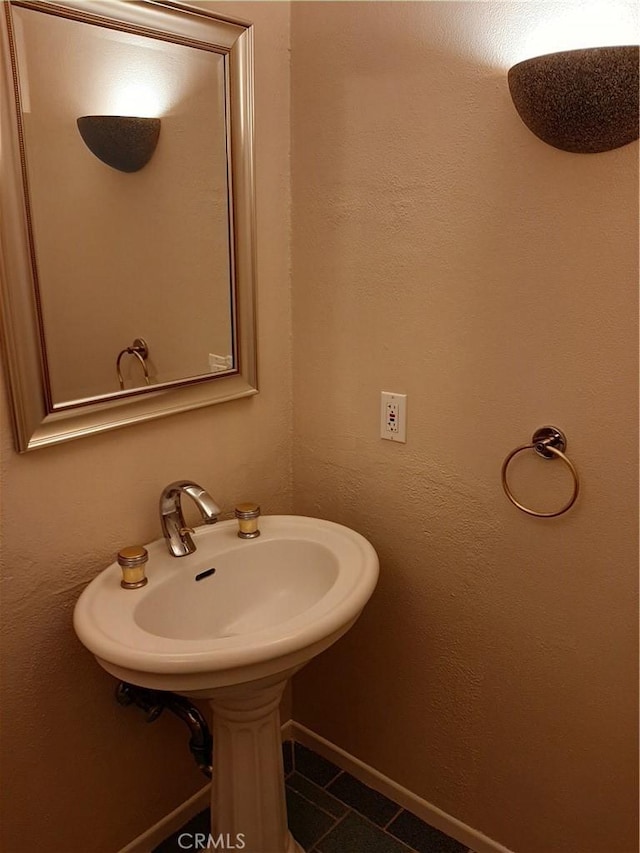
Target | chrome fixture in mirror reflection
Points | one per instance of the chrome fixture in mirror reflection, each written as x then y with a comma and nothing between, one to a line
140,351
90,256
584,101
125,143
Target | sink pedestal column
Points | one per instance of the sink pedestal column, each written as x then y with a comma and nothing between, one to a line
247,793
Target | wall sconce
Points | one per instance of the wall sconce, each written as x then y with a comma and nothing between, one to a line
584,101
126,143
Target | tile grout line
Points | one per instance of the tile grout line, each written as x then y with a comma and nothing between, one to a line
404,844
316,805
391,820
382,827
331,781
400,841
293,756
322,837
294,769
373,824
350,809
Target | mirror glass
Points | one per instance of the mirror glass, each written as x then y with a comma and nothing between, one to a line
125,255
141,278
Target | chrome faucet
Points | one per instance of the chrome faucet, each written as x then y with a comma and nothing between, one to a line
174,529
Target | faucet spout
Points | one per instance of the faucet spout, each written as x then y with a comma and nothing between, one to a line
174,529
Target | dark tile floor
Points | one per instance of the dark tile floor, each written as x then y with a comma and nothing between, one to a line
332,812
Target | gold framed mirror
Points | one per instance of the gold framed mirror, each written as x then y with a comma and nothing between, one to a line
127,233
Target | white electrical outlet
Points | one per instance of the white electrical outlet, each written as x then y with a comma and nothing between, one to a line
393,416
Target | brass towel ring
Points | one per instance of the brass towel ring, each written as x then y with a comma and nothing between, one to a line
548,442
140,350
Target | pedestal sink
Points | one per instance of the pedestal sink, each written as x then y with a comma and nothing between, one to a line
234,636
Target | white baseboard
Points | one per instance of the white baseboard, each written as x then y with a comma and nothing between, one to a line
291,730
169,824
287,730
384,785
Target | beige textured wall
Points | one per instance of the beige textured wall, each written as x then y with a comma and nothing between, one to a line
80,774
441,250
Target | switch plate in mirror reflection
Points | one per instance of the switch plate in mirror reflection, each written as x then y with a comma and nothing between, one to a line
93,258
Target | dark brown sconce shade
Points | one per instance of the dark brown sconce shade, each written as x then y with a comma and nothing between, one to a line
126,143
584,101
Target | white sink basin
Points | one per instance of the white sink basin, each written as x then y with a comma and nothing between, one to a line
271,604
234,636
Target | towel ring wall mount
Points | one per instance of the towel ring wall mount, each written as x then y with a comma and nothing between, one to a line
140,350
549,442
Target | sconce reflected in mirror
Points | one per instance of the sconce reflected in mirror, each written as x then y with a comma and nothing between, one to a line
584,101
126,143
